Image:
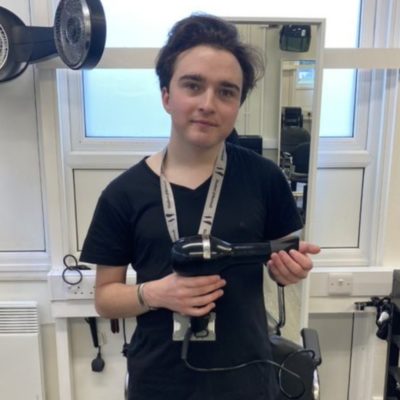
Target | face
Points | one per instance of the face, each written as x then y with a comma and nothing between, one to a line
203,98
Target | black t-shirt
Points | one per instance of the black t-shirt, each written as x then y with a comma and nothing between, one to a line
128,227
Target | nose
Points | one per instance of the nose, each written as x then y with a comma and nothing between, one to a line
207,101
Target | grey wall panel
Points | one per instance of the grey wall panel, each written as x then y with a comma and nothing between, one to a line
88,185
338,206
335,336
21,206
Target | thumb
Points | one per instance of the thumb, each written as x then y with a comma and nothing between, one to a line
308,248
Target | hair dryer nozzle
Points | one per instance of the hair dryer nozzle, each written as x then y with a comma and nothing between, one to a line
286,244
199,255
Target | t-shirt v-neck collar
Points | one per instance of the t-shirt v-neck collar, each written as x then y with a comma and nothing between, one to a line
177,186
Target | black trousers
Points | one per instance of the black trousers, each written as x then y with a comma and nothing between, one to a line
255,382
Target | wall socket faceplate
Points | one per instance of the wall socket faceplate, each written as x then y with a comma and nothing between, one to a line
340,283
68,288
61,289
82,290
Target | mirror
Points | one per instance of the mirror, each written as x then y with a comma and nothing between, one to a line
296,103
282,109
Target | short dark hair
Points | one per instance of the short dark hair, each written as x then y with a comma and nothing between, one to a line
204,29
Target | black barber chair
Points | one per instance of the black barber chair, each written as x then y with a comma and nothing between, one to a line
292,136
301,381
252,142
292,116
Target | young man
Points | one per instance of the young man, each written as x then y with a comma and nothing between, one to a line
205,74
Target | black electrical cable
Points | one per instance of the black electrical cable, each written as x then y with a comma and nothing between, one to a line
75,269
98,363
125,345
281,367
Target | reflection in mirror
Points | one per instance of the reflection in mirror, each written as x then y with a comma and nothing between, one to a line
288,85
283,97
296,94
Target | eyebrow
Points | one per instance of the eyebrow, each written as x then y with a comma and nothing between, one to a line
199,78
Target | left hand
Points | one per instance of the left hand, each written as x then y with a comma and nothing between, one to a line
290,267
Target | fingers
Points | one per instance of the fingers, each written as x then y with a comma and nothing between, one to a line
199,294
193,296
199,311
287,268
202,284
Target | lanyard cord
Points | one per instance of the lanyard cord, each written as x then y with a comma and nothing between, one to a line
211,203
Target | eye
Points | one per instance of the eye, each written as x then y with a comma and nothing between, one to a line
228,93
192,86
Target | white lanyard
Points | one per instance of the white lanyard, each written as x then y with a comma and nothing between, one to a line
210,206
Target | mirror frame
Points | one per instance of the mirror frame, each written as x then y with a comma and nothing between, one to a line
319,24
316,108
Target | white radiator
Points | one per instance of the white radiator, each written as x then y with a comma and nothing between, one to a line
21,374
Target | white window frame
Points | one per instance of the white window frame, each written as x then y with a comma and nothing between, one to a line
378,61
72,94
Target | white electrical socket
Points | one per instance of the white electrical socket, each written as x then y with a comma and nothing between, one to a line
68,287
340,283
82,290
62,287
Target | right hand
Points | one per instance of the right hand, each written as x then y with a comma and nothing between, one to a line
192,296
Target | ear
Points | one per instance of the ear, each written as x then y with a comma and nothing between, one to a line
165,98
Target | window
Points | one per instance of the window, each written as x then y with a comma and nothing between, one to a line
338,103
123,104
127,22
305,75
126,103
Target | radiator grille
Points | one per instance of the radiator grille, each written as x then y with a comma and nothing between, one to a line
18,317
21,372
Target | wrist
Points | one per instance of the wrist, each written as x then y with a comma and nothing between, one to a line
143,297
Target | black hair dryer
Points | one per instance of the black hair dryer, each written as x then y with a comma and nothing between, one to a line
208,255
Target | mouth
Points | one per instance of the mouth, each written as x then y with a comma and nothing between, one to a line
206,123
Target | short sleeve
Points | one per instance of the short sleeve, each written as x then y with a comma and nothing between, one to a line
108,240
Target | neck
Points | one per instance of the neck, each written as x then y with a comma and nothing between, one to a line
189,166
187,155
